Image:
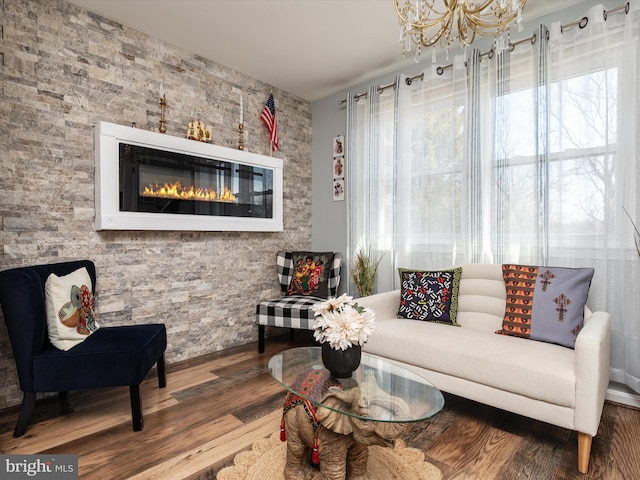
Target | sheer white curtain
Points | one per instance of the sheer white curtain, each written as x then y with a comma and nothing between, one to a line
524,156
594,145
514,158
372,181
430,161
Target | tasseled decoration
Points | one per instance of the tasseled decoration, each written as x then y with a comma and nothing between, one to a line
283,434
315,458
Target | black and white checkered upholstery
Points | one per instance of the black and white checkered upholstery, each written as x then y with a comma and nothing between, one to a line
293,311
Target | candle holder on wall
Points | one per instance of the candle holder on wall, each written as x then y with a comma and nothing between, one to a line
163,104
241,135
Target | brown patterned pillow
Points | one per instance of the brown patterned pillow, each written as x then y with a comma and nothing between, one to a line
545,303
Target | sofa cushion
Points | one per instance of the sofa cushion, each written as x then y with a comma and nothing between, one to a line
538,370
293,311
545,303
429,295
481,297
310,274
69,308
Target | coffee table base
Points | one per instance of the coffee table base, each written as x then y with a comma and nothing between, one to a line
339,429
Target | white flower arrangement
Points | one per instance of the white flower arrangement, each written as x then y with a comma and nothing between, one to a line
343,323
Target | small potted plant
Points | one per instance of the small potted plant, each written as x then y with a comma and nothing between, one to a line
342,328
364,271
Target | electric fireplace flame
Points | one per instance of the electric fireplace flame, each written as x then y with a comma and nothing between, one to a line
176,191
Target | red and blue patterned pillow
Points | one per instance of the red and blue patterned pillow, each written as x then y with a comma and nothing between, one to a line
430,296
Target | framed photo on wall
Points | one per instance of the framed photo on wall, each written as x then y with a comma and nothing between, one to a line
338,167
338,146
338,189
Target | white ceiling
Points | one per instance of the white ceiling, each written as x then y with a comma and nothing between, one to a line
310,48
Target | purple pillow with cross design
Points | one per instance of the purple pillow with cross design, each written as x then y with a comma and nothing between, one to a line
545,303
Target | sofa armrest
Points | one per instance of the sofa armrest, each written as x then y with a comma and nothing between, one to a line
385,305
593,346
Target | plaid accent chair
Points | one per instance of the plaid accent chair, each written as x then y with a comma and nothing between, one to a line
293,310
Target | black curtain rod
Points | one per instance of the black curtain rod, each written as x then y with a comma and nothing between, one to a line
365,94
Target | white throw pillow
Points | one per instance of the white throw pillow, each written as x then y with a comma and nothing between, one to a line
70,310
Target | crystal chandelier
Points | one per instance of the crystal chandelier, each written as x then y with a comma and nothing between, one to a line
429,23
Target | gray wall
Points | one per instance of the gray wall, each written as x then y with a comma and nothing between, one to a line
329,120
65,70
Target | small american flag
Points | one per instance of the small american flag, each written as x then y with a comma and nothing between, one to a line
268,116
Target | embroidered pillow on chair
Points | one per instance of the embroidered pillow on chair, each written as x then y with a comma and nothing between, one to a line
310,274
545,303
70,310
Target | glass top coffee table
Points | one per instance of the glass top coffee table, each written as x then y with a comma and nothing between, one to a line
407,396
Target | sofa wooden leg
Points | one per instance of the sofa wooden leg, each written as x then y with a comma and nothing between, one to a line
136,407
261,329
28,405
584,451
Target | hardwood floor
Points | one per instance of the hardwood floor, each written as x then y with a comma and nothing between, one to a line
215,407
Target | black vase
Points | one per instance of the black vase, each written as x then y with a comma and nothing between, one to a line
341,363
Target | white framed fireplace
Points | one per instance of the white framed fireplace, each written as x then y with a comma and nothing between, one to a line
151,181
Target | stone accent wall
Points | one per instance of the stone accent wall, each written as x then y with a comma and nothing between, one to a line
63,69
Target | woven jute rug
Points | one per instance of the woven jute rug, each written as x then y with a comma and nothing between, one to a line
265,461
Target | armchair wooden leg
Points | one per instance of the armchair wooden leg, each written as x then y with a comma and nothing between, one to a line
584,451
28,405
162,373
136,407
261,329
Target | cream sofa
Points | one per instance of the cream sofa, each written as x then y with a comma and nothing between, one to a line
547,382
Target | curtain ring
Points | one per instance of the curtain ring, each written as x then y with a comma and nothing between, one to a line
409,80
490,54
583,22
534,38
439,70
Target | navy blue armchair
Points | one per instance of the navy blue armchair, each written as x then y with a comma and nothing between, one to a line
109,357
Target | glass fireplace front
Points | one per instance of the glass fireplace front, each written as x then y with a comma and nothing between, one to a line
157,181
